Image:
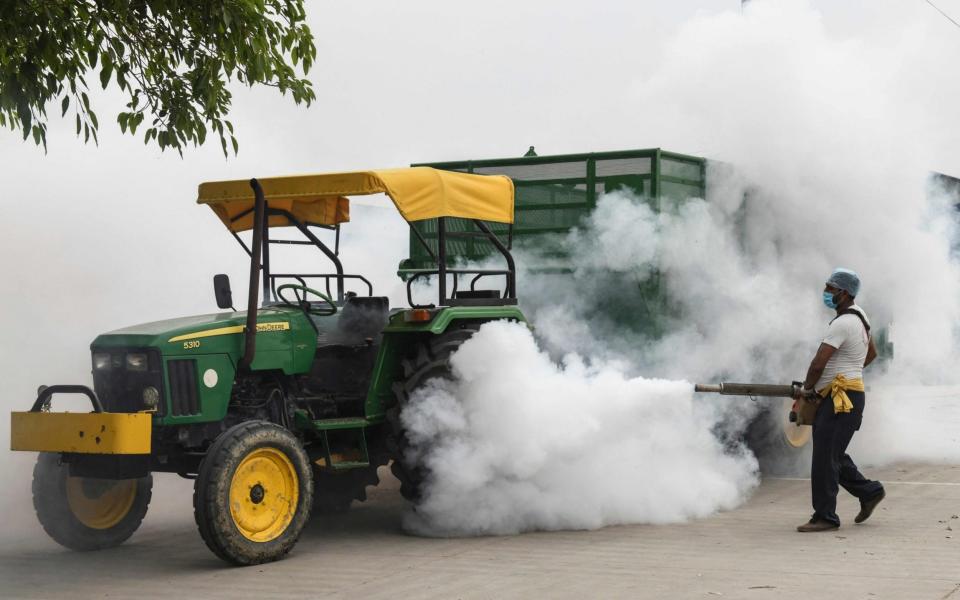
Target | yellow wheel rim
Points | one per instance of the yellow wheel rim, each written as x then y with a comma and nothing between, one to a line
795,435
263,494
99,503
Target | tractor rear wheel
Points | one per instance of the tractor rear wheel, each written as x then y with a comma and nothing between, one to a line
84,513
429,360
253,494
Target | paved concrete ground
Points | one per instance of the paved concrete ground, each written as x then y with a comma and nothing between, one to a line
910,549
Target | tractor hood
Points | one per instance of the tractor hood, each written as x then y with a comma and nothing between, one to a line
279,329
159,333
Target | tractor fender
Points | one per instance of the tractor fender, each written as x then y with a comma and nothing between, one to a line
402,337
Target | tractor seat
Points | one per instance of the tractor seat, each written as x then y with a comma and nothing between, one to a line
476,294
362,317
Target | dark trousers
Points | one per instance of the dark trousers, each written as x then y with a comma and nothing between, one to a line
832,466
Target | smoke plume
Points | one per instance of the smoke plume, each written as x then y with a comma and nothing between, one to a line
821,158
520,442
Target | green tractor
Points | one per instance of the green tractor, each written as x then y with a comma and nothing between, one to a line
286,408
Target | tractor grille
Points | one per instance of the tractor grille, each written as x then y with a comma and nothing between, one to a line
120,389
184,398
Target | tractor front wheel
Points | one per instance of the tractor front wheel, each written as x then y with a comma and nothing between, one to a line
253,494
84,513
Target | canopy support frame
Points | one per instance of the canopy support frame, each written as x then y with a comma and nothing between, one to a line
442,270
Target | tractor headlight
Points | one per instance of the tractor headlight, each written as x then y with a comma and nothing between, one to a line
136,362
101,361
151,397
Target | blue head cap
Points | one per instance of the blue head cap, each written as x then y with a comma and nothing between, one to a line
846,280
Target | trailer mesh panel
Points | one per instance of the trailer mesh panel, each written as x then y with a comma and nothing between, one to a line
554,194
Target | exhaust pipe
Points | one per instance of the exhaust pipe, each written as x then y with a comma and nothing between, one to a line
256,247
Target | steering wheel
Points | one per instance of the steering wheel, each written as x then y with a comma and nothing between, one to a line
319,311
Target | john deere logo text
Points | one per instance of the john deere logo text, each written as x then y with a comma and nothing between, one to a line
261,327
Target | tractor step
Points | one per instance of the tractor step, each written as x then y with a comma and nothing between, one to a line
355,439
342,461
344,441
350,464
346,423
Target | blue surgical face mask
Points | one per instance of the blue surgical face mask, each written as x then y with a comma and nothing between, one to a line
828,300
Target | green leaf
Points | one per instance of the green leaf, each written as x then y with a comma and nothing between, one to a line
135,121
105,74
64,105
107,70
26,118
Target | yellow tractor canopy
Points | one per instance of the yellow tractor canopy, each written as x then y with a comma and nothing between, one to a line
419,193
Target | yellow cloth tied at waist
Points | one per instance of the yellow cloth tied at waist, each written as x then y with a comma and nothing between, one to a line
838,388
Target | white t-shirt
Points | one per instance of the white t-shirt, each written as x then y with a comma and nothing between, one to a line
847,334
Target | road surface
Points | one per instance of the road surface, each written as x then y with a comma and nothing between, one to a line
909,549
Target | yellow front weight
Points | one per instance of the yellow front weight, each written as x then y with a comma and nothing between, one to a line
263,494
83,433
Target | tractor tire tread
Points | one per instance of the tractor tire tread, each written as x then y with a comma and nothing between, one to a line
212,513
57,519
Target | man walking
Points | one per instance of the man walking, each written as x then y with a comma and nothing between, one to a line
835,377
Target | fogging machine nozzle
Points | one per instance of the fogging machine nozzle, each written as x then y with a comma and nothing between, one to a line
750,389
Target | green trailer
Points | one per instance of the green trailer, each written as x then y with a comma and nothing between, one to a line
555,193
282,409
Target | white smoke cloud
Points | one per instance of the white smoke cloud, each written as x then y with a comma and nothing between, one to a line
909,423
519,442
825,163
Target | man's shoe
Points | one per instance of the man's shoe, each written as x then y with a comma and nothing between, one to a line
867,506
817,525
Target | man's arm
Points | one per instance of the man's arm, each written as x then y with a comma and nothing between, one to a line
817,365
871,353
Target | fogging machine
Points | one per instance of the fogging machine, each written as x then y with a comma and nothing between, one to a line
804,409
